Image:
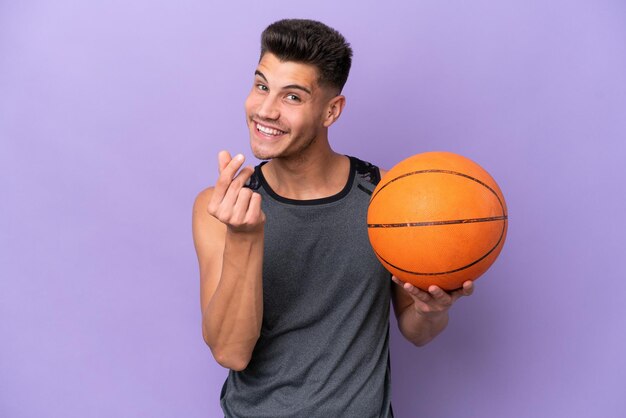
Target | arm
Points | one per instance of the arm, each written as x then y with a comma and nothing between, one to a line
423,315
228,237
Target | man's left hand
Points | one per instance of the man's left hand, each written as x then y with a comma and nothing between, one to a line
435,301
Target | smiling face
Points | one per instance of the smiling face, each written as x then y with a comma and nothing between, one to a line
287,111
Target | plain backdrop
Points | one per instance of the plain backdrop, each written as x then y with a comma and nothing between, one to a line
111,117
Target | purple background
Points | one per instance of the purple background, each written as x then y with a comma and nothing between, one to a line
111,116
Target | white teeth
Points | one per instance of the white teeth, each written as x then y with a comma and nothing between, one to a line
268,131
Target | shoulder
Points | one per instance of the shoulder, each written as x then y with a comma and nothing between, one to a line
367,171
201,219
202,200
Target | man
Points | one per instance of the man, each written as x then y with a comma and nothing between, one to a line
293,299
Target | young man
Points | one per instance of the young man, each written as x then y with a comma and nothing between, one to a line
293,299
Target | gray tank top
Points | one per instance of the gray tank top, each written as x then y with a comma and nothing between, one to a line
324,344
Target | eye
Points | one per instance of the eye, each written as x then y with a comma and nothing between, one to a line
262,87
293,98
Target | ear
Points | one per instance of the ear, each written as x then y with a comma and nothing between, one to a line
334,109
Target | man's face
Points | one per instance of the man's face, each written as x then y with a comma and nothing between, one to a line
285,108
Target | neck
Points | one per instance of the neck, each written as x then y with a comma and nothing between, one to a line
308,176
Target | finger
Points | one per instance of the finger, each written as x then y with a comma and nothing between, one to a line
226,178
240,208
232,165
230,197
223,158
466,290
255,214
416,292
439,295
241,179
397,281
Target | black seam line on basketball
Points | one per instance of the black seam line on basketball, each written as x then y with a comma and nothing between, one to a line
451,271
456,173
434,223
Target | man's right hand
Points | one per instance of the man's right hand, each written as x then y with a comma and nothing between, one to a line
236,206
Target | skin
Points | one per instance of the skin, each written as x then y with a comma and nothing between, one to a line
425,315
288,113
288,97
228,223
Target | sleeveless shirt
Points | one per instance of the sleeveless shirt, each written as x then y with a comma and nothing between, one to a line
324,344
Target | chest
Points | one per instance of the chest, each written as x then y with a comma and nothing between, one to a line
319,257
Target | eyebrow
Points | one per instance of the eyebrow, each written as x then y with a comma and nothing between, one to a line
290,86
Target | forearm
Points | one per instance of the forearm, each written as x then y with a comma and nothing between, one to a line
420,328
232,319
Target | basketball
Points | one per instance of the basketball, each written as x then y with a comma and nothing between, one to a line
437,218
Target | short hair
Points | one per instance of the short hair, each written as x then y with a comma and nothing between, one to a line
310,42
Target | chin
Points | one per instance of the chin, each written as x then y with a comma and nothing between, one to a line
263,154
265,151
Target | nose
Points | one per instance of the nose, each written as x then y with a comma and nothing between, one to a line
269,108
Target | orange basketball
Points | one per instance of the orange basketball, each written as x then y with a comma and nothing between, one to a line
437,218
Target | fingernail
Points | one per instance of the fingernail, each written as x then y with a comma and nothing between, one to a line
239,157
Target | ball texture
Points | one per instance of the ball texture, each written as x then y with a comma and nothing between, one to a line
437,218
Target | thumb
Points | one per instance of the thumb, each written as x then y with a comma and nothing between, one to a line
223,158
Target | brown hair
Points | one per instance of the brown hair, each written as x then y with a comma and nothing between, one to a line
310,42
